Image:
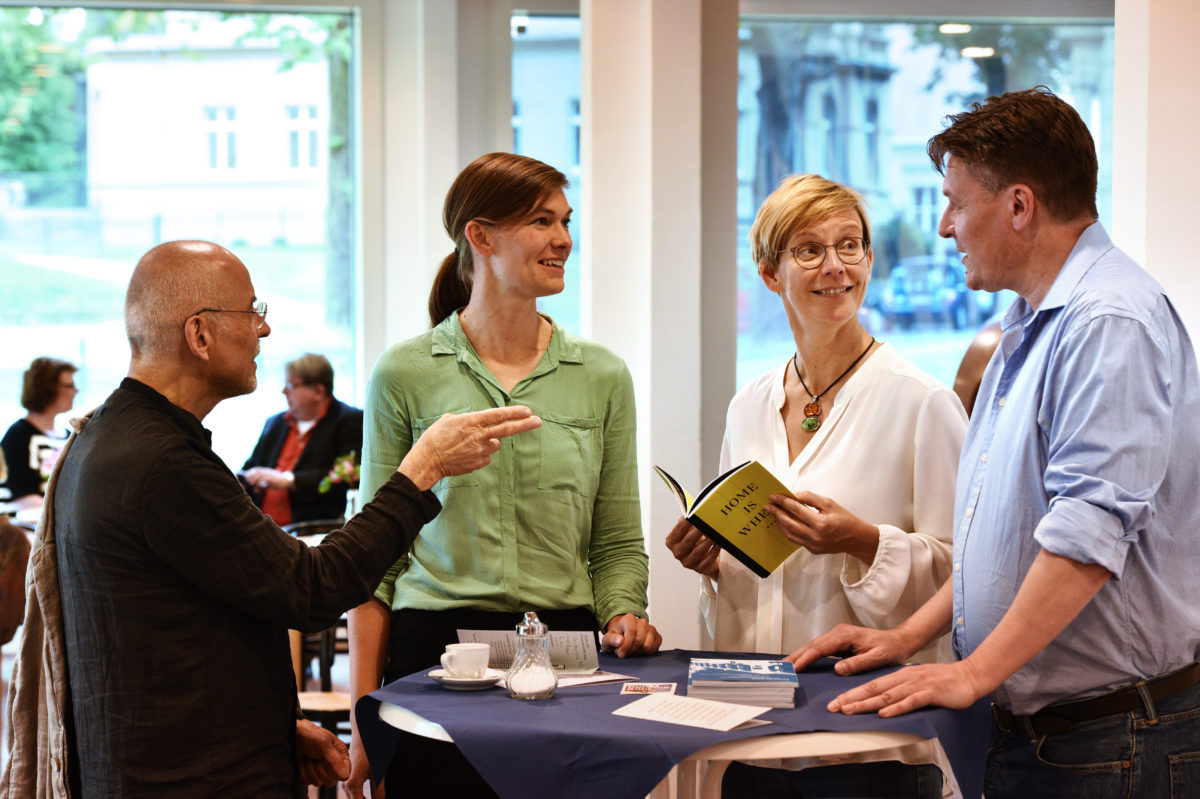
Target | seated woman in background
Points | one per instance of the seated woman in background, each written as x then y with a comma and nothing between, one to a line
32,444
553,523
869,445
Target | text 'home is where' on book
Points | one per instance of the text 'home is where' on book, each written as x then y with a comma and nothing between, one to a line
731,510
765,683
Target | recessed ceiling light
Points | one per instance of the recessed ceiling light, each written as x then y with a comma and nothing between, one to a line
954,27
978,52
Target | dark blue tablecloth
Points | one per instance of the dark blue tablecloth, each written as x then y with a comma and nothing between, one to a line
572,745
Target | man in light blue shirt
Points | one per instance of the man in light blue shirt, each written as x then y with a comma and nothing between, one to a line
1077,514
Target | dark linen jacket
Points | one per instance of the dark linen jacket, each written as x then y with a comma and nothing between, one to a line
176,595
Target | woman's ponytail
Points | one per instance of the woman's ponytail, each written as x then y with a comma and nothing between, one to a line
451,289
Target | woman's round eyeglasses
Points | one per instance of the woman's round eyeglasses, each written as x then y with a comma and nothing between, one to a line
811,254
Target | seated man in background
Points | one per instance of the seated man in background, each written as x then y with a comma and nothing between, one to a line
298,447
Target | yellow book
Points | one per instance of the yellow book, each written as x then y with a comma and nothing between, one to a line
731,510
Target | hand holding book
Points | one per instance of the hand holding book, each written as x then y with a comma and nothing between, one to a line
732,512
824,527
694,549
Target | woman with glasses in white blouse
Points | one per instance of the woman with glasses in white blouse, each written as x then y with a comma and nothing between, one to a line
869,445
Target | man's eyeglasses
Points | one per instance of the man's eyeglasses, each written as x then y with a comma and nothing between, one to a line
259,309
811,254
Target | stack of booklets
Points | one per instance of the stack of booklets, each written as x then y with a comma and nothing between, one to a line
764,683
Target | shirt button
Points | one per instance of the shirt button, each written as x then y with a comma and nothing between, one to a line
957,567
983,458
1000,402
960,621
969,512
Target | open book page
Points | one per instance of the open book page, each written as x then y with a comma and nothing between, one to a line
681,494
571,651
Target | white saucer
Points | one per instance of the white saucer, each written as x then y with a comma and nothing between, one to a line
489,678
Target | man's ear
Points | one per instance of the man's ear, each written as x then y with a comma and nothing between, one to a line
198,336
1021,204
479,237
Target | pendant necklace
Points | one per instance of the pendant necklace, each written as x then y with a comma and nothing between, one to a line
812,411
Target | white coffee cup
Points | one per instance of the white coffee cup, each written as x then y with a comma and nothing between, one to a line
466,661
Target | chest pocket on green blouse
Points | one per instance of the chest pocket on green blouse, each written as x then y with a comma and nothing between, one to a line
572,451
419,426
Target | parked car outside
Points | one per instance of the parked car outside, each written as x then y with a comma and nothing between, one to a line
929,288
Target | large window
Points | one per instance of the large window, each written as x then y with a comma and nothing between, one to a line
546,89
120,129
857,101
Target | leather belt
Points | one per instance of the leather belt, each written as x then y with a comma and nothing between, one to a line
1057,719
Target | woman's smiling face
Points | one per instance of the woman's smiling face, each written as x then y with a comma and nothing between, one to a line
832,292
530,255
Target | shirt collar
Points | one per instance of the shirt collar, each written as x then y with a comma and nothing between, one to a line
186,420
449,339
1089,247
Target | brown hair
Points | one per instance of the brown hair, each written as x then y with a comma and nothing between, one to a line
312,369
497,188
39,387
800,202
1031,137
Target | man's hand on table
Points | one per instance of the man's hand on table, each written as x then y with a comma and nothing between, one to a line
953,685
630,635
324,759
862,648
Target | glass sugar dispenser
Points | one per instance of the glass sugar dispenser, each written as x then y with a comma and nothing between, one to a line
531,675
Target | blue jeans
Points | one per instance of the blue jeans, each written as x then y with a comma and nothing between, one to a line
1149,753
887,779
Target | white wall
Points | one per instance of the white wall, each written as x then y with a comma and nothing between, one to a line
659,153
1156,170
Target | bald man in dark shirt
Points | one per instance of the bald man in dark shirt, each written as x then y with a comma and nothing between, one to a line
176,590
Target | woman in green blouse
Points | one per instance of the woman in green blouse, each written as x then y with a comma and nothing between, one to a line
553,523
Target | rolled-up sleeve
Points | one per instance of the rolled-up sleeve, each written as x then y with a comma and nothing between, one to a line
1105,457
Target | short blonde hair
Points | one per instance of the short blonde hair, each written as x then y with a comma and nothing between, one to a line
801,201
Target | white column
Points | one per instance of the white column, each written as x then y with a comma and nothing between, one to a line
1156,169
659,219
446,100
